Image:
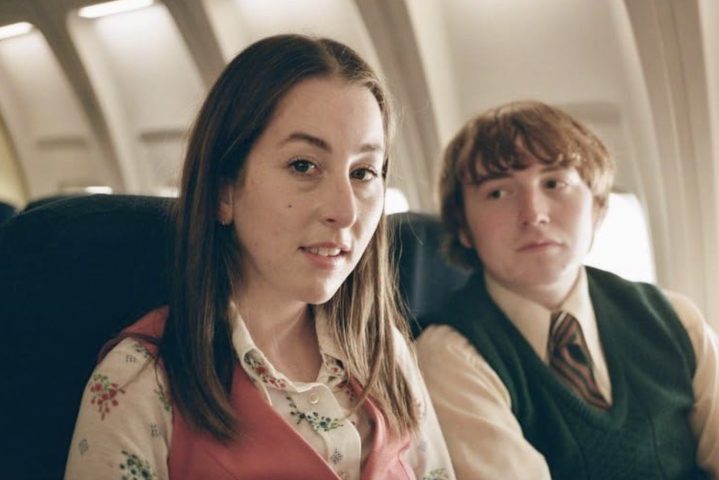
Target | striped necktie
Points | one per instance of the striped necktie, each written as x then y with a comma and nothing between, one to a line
569,358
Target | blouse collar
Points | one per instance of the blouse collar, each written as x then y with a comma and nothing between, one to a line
258,366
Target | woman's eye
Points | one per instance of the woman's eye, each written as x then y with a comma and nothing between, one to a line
302,167
496,194
363,174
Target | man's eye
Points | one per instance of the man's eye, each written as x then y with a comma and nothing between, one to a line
363,174
302,167
554,184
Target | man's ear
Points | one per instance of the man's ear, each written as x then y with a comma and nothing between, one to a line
599,214
465,239
225,203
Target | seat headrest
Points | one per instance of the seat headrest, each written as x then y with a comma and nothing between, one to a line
40,201
72,274
109,253
82,255
7,211
426,279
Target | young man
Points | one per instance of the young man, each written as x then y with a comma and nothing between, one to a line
543,368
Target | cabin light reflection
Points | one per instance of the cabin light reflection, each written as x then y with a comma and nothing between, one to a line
167,191
98,189
15,30
622,244
110,8
395,201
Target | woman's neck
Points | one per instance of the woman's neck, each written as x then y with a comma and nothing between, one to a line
284,332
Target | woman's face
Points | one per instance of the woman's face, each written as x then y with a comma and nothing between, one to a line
312,194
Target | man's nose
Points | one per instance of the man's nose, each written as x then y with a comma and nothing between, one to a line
533,208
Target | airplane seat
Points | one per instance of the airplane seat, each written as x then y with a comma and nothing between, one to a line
426,279
7,211
40,201
75,271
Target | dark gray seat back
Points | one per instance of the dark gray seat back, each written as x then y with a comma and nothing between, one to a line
74,272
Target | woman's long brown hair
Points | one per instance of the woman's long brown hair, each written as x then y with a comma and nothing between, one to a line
196,348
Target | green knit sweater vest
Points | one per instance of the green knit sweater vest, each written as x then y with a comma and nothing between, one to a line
646,433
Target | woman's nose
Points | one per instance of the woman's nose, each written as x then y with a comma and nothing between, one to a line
339,204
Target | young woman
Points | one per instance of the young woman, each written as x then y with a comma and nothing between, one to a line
282,353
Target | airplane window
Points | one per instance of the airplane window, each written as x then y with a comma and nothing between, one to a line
15,29
110,8
167,191
395,201
95,189
622,243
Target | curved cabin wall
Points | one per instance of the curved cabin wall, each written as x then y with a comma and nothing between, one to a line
12,184
107,101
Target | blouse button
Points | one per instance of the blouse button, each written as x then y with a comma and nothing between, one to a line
314,399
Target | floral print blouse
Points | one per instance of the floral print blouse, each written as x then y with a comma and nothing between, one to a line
124,426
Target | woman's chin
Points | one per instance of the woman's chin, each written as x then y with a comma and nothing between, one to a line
321,295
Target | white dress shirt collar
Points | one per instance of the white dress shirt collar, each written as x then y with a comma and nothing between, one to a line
532,320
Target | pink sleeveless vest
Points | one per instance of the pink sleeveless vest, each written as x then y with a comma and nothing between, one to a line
267,446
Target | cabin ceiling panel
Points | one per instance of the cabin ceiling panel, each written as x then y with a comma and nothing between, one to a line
151,67
163,151
231,30
146,82
251,20
33,75
432,38
13,181
554,50
44,117
563,52
193,23
64,166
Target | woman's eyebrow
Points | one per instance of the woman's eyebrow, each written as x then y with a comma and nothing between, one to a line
307,138
324,145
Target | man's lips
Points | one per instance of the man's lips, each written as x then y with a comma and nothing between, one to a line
538,245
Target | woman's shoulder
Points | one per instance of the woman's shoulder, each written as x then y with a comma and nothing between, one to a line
151,324
130,362
147,331
125,416
129,382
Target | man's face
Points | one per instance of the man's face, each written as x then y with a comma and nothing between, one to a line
531,229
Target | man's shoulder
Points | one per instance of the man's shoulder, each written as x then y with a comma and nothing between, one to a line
614,284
